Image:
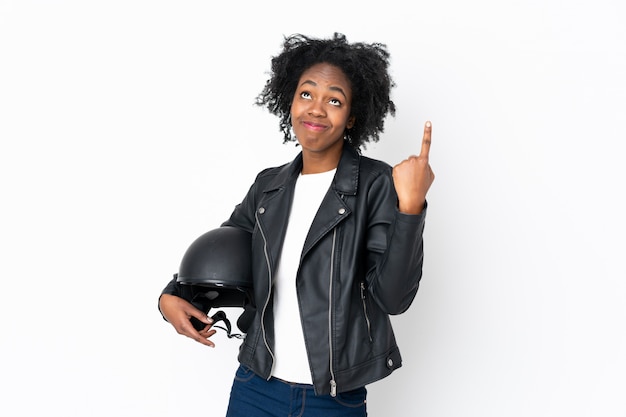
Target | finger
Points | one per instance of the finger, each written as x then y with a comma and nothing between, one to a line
426,140
204,341
206,328
207,332
201,316
201,336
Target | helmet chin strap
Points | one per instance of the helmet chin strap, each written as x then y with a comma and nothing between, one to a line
221,316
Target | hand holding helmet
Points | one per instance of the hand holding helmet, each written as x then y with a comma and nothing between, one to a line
179,312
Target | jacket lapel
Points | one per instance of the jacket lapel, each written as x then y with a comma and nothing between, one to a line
334,208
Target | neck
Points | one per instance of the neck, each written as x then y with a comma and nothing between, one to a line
317,162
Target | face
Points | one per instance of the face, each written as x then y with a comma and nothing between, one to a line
320,110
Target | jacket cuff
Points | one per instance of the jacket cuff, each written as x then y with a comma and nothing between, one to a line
413,218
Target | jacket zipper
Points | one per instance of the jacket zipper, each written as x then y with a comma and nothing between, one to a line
333,384
269,292
367,319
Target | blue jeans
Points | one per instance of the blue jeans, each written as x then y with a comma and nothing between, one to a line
253,396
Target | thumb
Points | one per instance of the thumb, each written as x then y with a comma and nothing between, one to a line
201,316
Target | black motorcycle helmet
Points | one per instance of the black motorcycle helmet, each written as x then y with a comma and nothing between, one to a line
216,271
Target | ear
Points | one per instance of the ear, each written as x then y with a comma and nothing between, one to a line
351,122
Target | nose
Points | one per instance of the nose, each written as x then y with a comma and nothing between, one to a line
316,109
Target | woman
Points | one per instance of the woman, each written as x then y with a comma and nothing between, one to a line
336,239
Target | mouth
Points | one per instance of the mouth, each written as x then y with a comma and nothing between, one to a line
314,126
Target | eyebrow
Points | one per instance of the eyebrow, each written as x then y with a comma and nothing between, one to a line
332,88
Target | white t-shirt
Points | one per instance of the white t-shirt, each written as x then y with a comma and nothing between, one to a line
291,362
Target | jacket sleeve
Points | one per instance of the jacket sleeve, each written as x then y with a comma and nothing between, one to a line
395,249
172,288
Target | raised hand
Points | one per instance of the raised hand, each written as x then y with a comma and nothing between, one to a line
413,177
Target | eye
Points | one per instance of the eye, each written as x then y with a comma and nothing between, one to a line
335,102
305,94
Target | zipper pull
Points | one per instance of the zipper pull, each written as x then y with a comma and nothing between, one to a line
333,388
362,290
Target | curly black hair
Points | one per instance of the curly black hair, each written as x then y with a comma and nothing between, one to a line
365,66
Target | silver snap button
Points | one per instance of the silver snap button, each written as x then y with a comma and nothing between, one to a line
342,210
261,210
390,362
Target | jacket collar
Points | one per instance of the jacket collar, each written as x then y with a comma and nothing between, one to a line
346,178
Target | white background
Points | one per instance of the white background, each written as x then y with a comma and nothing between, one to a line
127,129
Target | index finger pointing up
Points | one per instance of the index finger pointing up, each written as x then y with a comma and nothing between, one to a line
426,141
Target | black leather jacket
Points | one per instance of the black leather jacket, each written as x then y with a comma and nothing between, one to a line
361,262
